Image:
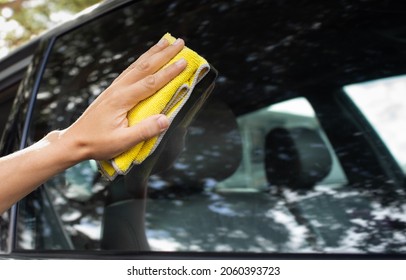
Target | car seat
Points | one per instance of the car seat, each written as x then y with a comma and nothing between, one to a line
297,158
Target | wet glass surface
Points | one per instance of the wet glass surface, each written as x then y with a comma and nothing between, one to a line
213,187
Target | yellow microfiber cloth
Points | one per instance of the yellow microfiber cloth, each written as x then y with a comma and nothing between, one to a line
169,100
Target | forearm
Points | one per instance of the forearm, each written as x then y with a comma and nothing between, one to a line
25,170
101,132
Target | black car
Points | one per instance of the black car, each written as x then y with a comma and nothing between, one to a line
298,149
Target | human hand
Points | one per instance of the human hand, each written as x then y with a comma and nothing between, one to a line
102,131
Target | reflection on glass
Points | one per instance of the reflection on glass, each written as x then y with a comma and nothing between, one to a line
254,126
383,102
221,192
4,224
240,211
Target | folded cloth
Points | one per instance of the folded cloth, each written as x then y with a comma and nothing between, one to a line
169,100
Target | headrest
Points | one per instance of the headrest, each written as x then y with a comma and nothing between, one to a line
296,158
213,148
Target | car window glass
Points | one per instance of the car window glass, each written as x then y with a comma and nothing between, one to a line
4,227
383,103
295,113
6,101
271,163
252,197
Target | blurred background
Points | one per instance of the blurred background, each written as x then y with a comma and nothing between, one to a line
21,20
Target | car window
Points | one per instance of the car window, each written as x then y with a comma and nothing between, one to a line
6,101
247,210
273,162
254,127
382,102
4,227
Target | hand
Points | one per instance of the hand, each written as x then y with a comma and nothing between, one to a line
102,131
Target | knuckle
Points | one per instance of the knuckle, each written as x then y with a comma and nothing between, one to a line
113,93
150,82
143,66
118,93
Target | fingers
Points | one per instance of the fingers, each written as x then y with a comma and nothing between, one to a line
163,43
146,129
151,61
146,87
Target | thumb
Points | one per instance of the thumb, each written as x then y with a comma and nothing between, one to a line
147,128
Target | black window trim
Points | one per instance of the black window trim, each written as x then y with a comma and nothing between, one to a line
390,166
132,255
31,104
44,50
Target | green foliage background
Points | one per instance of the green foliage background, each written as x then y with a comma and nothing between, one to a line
34,16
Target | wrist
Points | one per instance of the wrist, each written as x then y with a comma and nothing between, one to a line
68,150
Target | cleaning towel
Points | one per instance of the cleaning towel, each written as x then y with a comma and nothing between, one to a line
169,100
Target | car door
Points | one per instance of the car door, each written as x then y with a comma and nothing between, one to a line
12,69
278,160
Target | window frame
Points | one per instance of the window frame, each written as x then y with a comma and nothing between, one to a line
394,165
341,104
388,162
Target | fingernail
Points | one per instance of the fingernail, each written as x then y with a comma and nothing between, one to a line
163,42
181,62
177,42
163,122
